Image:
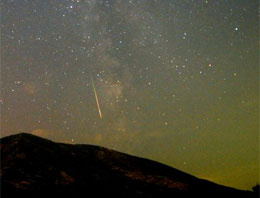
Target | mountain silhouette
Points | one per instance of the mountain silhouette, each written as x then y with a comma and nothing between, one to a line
35,167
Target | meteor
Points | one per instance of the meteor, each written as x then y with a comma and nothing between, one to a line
96,96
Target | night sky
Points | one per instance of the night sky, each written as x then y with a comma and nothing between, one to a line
177,81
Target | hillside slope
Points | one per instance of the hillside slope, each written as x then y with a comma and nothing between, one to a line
35,167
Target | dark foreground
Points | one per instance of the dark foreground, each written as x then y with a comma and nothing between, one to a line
36,167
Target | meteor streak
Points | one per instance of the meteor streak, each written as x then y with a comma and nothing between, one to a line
96,96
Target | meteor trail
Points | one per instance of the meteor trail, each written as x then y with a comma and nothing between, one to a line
96,96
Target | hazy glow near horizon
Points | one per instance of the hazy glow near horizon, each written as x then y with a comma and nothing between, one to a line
177,81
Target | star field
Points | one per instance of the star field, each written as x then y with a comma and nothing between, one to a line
177,81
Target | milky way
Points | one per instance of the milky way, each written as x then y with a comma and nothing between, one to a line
177,80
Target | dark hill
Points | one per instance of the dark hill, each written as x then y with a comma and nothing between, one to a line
35,167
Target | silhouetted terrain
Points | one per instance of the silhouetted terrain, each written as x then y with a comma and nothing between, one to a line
35,167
